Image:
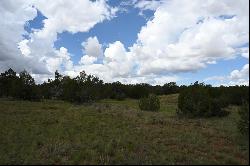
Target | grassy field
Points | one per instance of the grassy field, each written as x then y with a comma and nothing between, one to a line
115,132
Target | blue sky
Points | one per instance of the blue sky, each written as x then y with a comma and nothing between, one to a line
128,40
124,27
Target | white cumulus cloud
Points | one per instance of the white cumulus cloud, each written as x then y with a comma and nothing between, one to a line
92,47
187,35
182,36
37,54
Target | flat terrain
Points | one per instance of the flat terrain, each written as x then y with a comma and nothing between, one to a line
115,132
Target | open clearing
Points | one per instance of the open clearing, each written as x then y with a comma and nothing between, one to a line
115,132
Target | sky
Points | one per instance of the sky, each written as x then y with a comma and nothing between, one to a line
136,41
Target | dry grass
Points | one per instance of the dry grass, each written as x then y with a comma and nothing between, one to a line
115,132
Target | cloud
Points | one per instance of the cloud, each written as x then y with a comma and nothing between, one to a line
118,60
115,52
116,63
240,77
87,60
142,5
72,16
13,15
245,52
92,50
24,48
37,54
92,47
186,36
68,16
217,78
240,74
148,4
236,77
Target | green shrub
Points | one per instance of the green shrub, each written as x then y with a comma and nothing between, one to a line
193,102
196,102
243,124
216,108
150,103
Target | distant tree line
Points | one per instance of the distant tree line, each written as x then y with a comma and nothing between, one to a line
88,88
83,88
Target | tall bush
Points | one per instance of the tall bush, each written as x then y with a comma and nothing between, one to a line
150,103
